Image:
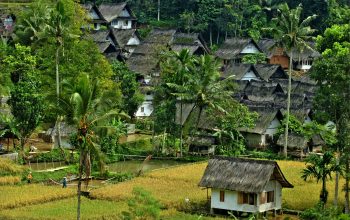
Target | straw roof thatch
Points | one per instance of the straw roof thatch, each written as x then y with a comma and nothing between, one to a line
111,11
65,129
123,36
238,70
270,72
295,141
193,42
232,47
265,117
243,175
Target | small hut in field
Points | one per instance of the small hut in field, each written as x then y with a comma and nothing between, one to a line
244,185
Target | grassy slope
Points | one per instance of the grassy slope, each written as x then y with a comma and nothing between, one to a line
170,186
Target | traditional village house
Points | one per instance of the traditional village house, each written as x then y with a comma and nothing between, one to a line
233,49
266,126
146,108
302,60
297,144
144,60
244,185
258,72
114,15
65,130
128,40
107,44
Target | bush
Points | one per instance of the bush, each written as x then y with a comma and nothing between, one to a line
54,155
321,213
142,206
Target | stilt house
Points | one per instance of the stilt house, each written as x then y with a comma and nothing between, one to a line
244,185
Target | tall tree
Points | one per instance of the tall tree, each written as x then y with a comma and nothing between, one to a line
331,72
177,70
292,34
26,100
321,168
86,108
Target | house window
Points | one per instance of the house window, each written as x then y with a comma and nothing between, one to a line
270,196
222,196
142,109
125,23
114,23
247,198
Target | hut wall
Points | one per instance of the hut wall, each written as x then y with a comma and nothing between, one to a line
250,76
230,202
121,24
65,142
254,140
282,60
145,110
273,127
250,48
276,187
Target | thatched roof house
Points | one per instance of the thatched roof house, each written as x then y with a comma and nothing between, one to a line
193,42
236,48
244,185
265,72
297,144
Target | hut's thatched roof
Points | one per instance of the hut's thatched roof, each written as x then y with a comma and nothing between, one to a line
267,46
265,117
65,129
111,11
106,47
238,70
143,64
243,175
232,47
160,36
123,35
270,71
193,42
295,141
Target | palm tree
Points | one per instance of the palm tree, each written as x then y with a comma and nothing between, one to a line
321,168
89,111
180,65
292,34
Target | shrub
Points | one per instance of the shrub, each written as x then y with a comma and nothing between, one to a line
142,206
320,213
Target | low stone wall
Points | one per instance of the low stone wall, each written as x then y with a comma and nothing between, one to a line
11,156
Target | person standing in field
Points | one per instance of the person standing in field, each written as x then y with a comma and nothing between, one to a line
29,177
64,182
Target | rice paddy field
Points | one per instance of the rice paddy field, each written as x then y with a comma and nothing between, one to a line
170,186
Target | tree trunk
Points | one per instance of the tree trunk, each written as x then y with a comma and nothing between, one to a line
324,191
79,183
59,142
181,131
347,178
210,36
158,15
218,37
288,105
336,187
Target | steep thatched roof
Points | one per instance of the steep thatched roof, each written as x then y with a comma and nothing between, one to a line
295,141
307,53
266,116
238,70
144,64
106,47
111,11
232,47
267,46
160,36
270,71
193,42
65,129
123,35
243,175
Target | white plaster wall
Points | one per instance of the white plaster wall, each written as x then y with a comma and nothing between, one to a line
134,40
148,109
307,120
230,203
149,97
273,127
65,143
93,14
250,48
125,13
249,76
